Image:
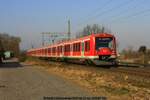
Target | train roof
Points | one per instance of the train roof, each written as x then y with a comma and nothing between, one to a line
74,40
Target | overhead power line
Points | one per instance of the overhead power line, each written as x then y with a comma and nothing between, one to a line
100,8
109,10
131,15
120,12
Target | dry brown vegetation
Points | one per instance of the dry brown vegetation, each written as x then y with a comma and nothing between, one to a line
135,56
99,81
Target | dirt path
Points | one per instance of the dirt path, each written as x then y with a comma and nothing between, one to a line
19,82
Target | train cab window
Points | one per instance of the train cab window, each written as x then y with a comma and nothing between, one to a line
103,42
87,46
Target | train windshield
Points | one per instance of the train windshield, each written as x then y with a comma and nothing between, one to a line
103,42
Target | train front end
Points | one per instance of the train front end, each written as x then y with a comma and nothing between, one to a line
105,49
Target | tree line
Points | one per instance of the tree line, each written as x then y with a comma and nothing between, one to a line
9,43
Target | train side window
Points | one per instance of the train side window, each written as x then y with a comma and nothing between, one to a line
53,49
87,46
60,49
65,48
73,48
78,47
49,50
46,51
68,48
42,51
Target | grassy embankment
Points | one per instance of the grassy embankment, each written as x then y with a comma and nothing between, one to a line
101,82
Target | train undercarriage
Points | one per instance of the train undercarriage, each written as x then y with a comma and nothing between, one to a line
86,61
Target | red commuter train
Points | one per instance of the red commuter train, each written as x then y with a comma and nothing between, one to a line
98,49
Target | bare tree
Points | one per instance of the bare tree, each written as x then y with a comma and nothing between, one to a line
95,28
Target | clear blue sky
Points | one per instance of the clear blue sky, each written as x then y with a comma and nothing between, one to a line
28,18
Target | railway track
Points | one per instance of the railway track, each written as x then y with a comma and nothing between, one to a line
129,70
144,72
126,64
134,69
